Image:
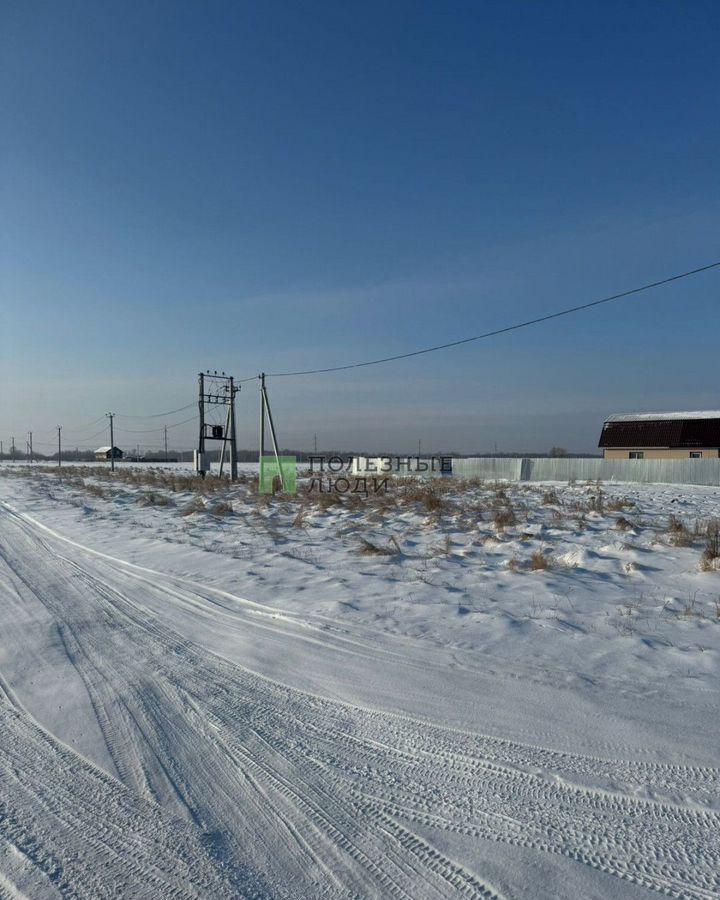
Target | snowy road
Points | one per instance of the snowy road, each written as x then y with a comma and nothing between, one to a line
174,770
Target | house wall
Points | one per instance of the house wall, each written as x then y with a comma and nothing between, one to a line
663,453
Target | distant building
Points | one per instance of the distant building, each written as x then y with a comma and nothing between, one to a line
669,435
104,453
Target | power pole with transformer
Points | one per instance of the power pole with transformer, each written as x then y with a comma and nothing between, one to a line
216,404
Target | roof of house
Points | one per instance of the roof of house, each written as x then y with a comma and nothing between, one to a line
103,449
664,416
675,429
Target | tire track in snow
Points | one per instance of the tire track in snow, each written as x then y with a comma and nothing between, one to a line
353,781
85,834
348,639
322,631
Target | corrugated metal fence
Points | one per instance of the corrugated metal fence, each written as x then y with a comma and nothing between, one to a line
658,471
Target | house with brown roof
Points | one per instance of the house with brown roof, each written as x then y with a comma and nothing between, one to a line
668,435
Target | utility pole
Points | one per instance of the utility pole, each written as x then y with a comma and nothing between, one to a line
30,450
1,452
217,389
419,446
112,442
315,444
13,449
265,408
166,455
225,442
261,452
233,436
59,428
201,408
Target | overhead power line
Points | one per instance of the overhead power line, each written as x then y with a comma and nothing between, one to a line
489,334
157,430
139,430
70,429
170,412
75,438
89,437
90,424
184,422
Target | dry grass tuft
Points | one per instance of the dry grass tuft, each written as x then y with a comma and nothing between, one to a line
711,552
624,524
221,509
326,500
539,561
196,505
504,518
678,533
618,504
550,498
434,503
429,493
368,548
154,499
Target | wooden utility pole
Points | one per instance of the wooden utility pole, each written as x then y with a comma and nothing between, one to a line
111,416
59,428
30,450
13,449
166,454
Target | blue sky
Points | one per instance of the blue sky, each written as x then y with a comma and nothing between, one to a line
271,186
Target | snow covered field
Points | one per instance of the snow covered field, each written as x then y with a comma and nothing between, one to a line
457,689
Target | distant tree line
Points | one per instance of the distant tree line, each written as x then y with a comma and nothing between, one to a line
72,455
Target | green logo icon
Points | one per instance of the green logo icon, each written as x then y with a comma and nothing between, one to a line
277,473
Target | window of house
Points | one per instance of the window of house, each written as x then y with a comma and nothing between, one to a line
636,454
696,454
